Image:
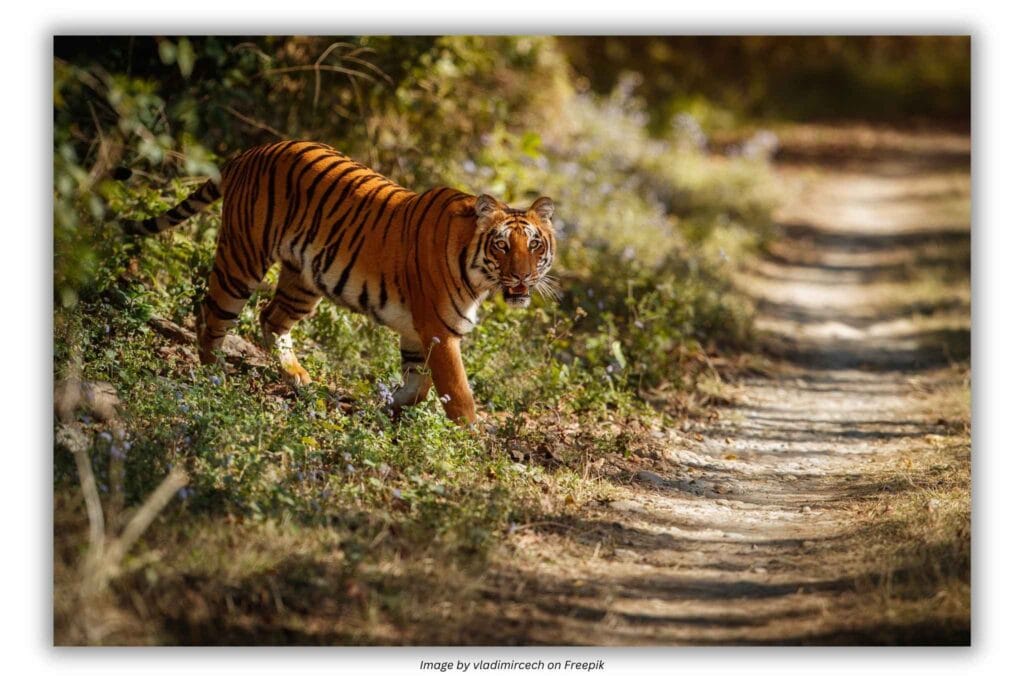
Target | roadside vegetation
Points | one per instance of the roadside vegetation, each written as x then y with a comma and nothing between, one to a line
311,515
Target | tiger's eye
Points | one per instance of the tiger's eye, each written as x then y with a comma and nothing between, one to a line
535,244
501,245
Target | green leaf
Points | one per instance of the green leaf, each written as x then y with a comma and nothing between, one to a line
168,52
617,353
186,57
530,144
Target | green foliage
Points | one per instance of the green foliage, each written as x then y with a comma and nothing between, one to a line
721,79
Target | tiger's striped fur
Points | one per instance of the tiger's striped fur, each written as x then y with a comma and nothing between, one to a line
419,263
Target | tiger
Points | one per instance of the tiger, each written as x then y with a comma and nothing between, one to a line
418,263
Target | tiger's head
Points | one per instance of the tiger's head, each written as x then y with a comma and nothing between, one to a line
516,248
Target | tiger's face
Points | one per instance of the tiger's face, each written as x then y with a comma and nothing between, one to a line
517,248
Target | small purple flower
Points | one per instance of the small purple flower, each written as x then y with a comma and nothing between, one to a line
184,493
216,380
385,393
397,494
349,469
445,398
106,436
434,340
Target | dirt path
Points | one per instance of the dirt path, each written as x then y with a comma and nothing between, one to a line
768,529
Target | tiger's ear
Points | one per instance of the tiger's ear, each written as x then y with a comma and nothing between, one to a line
487,206
544,208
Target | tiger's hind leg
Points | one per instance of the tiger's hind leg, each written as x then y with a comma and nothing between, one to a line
415,377
226,295
294,299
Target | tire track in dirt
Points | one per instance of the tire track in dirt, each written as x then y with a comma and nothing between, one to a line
751,535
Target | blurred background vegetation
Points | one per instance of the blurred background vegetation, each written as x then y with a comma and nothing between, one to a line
619,131
723,79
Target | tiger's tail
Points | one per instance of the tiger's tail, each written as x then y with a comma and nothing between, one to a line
196,202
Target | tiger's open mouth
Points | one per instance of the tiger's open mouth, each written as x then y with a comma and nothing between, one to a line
517,296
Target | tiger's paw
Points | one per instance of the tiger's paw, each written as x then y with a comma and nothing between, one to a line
295,375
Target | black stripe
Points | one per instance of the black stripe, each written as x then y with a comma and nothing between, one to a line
294,184
304,291
293,310
391,219
419,267
272,172
356,183
284,294
447,274
337,232
447,326
463,273
355,212
217,311
232,286
209,193
372,225
301,225
398,288
364,298
348,269
383,298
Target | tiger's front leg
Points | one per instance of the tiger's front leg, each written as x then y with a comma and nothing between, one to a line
445,361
